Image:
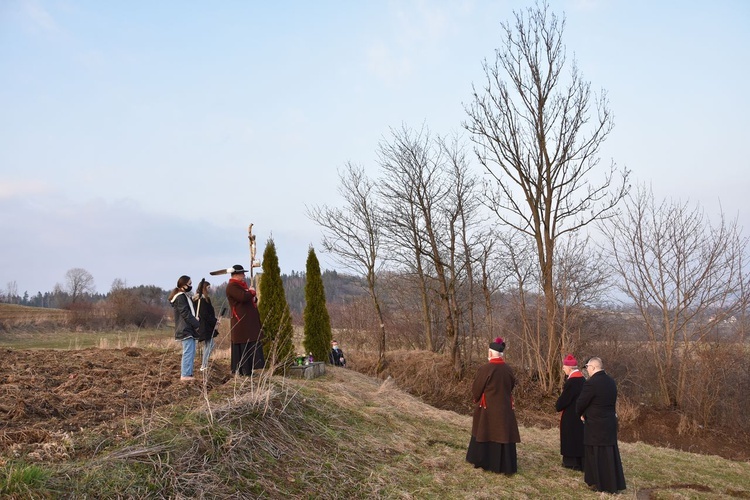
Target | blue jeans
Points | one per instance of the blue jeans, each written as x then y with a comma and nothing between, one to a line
208,345
188,357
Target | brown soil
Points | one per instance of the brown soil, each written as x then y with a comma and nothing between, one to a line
46,393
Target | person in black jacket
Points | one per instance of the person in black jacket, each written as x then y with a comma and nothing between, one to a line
185,324
602,467
571,426
206,314
336,356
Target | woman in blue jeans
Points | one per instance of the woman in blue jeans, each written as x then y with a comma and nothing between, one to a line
185,324
206,314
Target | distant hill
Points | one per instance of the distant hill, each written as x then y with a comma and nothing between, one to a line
338,287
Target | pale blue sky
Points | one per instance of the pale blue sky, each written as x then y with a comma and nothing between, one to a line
139,139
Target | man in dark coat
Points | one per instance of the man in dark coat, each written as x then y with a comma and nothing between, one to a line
602,467
571,426
245,333
336,356
494,430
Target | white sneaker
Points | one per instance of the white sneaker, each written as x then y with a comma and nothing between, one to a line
204,368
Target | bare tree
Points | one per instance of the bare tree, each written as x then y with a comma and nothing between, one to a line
536,134
491,268
429,202
409,186
352,236
463,214
78,282
581,279
685,276
12,292
519,265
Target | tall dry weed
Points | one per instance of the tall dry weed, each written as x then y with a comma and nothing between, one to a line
628,411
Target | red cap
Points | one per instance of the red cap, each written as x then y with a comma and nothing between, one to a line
570,361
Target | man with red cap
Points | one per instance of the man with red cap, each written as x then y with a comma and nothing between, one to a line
571,427
494,431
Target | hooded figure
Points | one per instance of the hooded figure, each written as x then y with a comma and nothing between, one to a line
494,429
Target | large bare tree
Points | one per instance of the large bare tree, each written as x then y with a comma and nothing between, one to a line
538,130
78,282
352,235
686,277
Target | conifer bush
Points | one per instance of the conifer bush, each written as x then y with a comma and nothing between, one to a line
317,322
274,311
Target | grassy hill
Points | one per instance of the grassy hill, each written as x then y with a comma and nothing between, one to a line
15,315
344,435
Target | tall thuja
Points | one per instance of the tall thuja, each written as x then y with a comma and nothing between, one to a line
317,321
274,310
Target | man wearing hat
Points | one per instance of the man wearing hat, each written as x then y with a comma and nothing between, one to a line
494,430
245,333
571,427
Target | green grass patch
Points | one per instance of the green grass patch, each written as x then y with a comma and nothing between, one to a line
73,340
21,480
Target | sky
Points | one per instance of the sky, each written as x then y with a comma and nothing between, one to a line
139,139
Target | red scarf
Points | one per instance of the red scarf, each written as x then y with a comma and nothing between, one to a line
242,284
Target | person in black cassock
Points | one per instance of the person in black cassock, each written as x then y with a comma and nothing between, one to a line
494,429
602,467
571,426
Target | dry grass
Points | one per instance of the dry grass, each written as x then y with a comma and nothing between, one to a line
344,435
24,316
